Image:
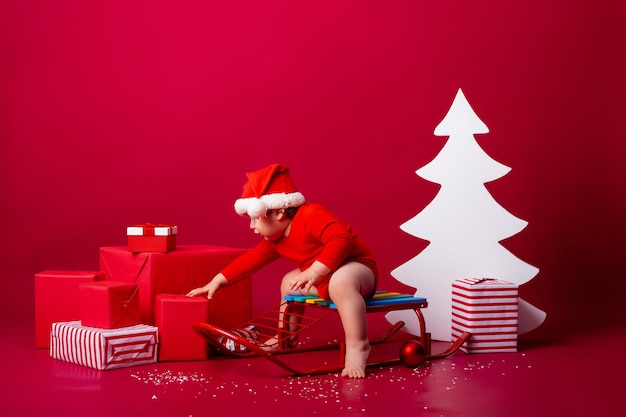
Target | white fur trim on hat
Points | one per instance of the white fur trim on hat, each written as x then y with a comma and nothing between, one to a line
257,207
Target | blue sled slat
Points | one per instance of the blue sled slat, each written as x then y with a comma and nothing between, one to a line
389,301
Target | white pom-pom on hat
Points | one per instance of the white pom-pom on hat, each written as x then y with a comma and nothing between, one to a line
256,208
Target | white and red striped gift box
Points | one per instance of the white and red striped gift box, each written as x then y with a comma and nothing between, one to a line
104,348
488,309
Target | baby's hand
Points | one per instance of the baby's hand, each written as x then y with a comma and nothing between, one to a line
303,281
196,291
211,288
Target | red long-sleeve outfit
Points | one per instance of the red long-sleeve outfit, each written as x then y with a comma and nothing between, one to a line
315,235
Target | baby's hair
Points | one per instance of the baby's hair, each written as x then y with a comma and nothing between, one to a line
291,211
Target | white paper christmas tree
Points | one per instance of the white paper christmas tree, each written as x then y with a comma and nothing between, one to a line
464,225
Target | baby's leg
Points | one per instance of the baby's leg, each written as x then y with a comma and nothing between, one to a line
347,287
289,322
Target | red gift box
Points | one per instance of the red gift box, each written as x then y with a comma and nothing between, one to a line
151,237
174,316
57,299
488,309
178,272
104,349
109,304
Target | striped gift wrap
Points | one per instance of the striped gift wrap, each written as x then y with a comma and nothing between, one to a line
104,349
488,309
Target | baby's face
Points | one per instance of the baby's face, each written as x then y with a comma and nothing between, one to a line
269,226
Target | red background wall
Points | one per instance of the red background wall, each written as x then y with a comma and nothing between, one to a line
119,112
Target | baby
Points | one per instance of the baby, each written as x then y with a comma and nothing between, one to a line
333,262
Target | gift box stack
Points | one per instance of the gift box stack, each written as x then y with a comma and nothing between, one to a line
488,309
133,310
109,334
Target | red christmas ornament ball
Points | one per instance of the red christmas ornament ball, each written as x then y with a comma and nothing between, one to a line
412,353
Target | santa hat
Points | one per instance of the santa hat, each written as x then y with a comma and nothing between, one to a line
267,189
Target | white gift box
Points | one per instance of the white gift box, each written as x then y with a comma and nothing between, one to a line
104,349
488,309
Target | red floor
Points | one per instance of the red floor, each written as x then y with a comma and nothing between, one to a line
580,375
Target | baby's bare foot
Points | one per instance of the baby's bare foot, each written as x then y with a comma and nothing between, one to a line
356,360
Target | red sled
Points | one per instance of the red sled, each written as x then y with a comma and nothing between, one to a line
245,340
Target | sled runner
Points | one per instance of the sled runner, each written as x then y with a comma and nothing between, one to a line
247,340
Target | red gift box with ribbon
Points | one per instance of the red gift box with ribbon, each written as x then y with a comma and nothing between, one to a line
178,272
109,304
148,237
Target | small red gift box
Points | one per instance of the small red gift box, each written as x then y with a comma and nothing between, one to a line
109,304
488,309
151,237
57,299
104,348
174,316
178,272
